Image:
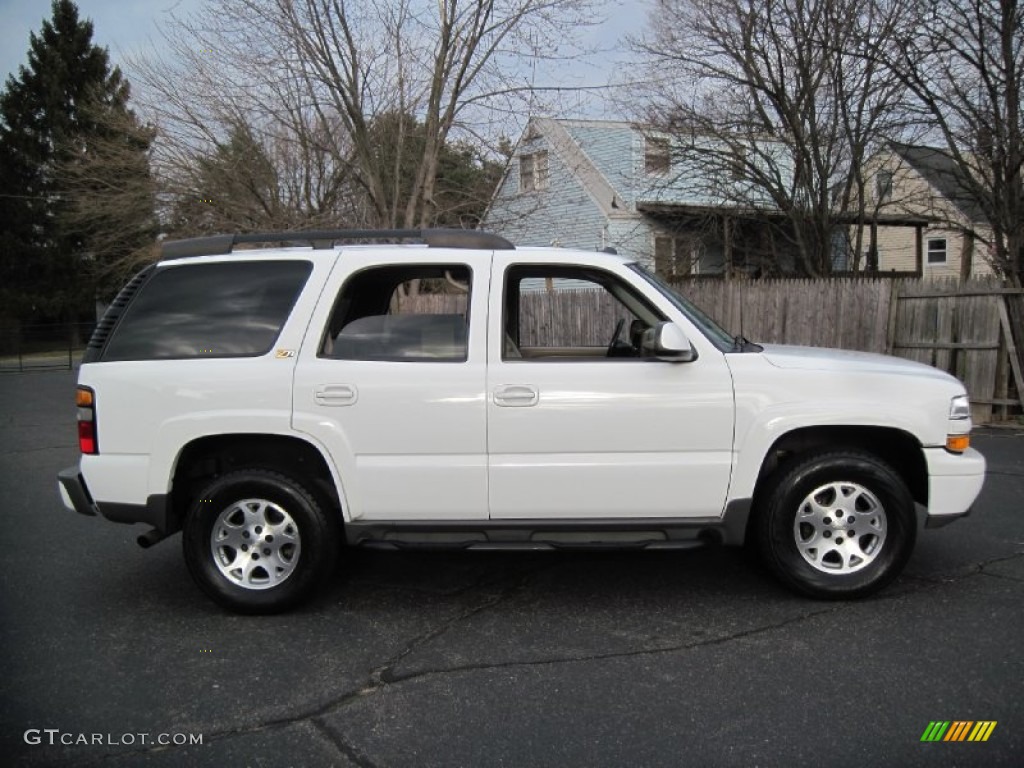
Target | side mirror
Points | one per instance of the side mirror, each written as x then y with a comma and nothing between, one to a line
666,341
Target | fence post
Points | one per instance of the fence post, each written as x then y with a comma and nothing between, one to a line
890,329
1011,348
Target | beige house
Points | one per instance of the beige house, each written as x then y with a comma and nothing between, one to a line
910,180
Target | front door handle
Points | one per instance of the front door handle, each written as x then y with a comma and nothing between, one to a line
516,396
335,394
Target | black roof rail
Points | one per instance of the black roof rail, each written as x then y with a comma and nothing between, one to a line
215,245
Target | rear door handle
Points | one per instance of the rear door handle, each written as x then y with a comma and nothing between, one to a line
335,394
516,396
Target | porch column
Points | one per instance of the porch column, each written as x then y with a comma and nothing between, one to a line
727,246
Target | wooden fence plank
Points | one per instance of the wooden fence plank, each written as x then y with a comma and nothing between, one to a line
1011,348
938,345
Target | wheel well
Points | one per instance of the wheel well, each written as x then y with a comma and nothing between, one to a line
897,448
206,458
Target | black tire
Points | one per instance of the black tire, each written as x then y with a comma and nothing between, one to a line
251,506
830,556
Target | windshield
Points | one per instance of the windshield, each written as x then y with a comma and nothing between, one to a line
718,335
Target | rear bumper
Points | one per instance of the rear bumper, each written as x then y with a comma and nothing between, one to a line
954,482
75,494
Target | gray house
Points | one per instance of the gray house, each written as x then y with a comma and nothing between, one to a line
674,205
593,184
927,182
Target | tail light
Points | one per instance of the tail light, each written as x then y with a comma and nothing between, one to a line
85,399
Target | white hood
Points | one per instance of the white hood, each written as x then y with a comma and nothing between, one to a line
822,359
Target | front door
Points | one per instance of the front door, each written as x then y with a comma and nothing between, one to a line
581,425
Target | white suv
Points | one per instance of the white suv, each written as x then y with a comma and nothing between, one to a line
273,403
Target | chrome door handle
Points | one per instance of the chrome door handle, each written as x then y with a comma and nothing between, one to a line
335,394
516,396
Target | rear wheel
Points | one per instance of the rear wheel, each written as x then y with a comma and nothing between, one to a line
257,541
838,525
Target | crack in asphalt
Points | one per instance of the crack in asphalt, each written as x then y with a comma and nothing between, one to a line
374,682
983,568
383,675
377,678
709,642
613,654
974,569
346,749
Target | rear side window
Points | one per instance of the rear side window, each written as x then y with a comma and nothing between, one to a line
402,313
228,309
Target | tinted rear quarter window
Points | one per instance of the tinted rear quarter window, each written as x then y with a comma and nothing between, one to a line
226,309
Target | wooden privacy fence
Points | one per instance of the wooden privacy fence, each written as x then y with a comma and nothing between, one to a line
974,330
965,330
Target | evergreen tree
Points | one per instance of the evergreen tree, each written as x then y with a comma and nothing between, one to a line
464,182
253,181
54,114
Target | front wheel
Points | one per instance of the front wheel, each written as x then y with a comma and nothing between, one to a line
838,525
257,541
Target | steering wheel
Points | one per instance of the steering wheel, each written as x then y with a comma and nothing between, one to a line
615,336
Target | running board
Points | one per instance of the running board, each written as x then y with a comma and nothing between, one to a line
530,546
637,533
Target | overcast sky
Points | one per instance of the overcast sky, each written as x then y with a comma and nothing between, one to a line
122,26
127,27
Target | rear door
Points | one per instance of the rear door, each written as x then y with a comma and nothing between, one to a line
390,381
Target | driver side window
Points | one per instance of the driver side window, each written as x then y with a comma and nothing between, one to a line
557,313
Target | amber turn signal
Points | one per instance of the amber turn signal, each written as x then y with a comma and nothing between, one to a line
958,443
83,397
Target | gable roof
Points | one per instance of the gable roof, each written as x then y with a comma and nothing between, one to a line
594,179
940,169
607,156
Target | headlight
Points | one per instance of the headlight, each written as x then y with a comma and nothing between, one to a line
960,407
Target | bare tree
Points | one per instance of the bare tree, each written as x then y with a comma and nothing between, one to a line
963,61
109,194
251,180
320,75
774,106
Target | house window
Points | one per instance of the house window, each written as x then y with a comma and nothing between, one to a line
883,186
656,155
533,171
738,163
673,256
937,250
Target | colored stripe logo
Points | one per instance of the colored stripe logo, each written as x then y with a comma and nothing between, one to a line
958,730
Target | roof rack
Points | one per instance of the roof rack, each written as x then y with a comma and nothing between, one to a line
216,245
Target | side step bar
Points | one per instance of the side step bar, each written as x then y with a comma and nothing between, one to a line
639,533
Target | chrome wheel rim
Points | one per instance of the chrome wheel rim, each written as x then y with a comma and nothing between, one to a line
840,528
255,544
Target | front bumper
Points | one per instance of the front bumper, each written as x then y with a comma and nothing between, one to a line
954,482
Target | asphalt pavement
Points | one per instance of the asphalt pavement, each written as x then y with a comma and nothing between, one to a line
490,659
